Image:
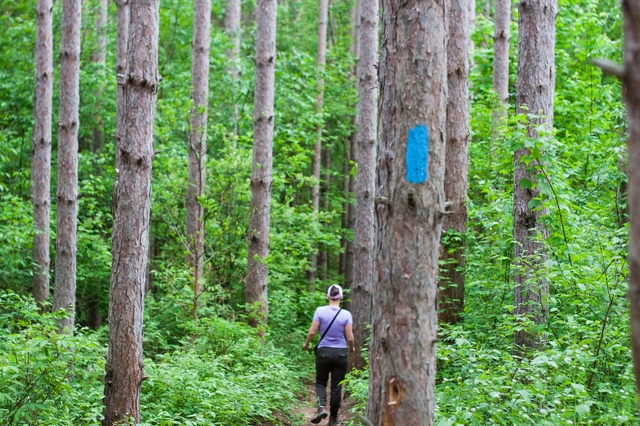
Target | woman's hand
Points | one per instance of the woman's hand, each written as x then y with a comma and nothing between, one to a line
305,347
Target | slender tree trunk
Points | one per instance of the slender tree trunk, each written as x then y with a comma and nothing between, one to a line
631,9
453,245
197,160
123,17
409,210
64,296
232,26
98,56
534,94
364,231
41,149
325,192
344,218
501,36
348,215
317,149
130,239
261,175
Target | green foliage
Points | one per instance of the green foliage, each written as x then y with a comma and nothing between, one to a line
45,375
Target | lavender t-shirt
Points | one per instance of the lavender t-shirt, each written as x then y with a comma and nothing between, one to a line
335,337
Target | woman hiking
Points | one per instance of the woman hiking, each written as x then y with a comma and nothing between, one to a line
336,336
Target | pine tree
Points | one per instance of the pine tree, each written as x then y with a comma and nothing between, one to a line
534,95
452,250
317,149
410,203
631,77
64,296
263,122
197,149
130,238
41,148
99,57
364,231
232,25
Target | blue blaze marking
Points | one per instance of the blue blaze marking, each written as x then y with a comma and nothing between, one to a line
417,157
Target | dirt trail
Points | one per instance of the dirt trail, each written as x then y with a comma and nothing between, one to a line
307,406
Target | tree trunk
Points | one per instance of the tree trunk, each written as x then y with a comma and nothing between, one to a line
410,176
317,149
130,239
197,160
453,245
631,9
64,296
364,231
98,56
122,39
263,120
326,192
41,149
232,25
501,36
348,215
534,94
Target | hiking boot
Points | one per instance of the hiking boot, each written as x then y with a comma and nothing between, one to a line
320,415
334,421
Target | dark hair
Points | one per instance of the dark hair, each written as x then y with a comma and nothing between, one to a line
334,290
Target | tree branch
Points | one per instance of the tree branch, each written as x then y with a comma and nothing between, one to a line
609,67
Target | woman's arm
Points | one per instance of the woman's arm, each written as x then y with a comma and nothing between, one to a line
310,334
348,333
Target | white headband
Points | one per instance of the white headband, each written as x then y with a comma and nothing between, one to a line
337,296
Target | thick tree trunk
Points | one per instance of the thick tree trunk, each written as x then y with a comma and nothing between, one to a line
64,296
501,36
631,9
317,149
232,26
364,232
130,239
534,95
197,159
41,149
453,245
409,210
98,56
263,120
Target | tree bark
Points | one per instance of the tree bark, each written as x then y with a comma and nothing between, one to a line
631,10
130,239
323,260
453,245
123,11
261,174
64,296
41,149
410,176
232,26
197,158
98,56
364,231
349,208
317,149
501,36
534,94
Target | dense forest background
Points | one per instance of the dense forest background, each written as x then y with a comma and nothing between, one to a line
217,370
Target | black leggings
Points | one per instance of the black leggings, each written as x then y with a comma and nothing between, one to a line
334,361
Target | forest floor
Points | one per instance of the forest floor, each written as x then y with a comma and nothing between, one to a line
307,407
